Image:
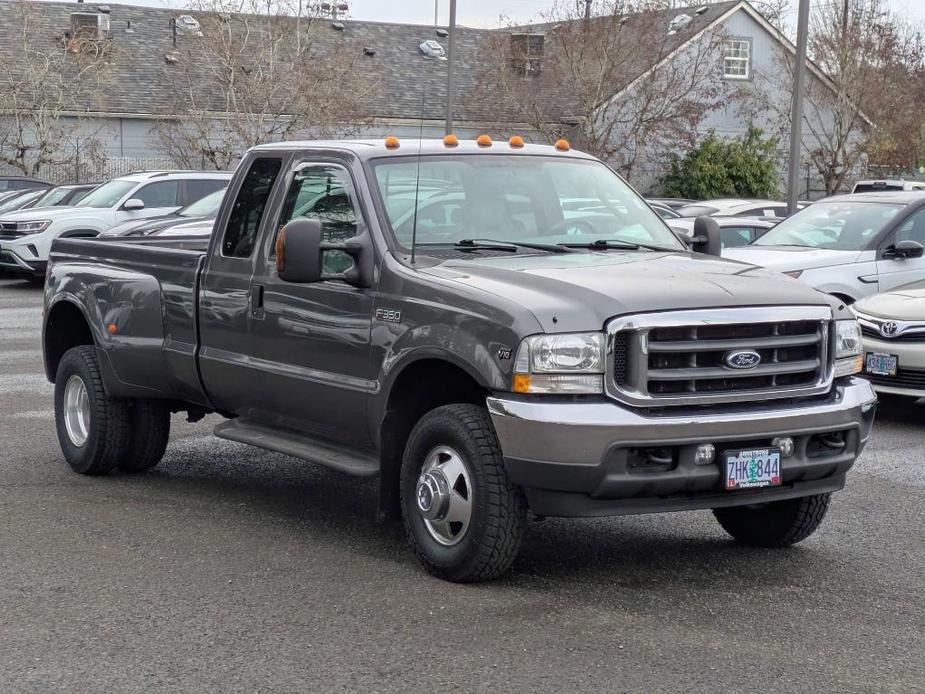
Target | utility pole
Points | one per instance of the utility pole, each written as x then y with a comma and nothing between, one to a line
436,13
588,9
450,77
796,112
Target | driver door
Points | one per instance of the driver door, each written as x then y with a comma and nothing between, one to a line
895,272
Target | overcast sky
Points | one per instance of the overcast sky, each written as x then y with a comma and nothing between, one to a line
488,13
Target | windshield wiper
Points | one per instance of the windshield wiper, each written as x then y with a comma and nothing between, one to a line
604,244
470,245
550,247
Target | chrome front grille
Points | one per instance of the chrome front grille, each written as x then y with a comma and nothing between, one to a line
687,357
8,230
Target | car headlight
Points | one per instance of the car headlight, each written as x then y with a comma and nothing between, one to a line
33,227
848,348
568,364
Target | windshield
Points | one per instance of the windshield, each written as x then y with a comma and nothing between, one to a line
206,207
533,199
14,202
107,195
845,226
52,197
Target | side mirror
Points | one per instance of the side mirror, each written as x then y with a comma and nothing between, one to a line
300,255
904,250
133,204
707,236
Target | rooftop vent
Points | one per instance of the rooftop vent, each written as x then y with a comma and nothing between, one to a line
337,26
433,49
442,33
701,10
527,53
103,9
188,25
171,58
678,23
369,50
128,27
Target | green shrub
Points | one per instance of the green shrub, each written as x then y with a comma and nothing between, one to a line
741,167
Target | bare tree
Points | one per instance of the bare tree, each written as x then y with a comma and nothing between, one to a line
46,82
254,72
595,79
865,98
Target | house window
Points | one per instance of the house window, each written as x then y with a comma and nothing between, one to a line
737,59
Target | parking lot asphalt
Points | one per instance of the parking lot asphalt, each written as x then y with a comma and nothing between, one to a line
232,569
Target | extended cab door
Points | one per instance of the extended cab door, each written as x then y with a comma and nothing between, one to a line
232,379
894,272
311,341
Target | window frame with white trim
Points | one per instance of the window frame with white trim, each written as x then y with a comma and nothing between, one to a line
733,48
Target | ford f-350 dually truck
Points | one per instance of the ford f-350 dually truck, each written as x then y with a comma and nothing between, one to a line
491,328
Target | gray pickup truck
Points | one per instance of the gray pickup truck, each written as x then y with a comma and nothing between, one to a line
489,328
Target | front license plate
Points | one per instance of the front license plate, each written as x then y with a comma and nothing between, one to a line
752,469
881,364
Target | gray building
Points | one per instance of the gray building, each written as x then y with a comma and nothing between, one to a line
154,58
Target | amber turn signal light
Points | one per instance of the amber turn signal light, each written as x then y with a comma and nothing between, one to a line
281,251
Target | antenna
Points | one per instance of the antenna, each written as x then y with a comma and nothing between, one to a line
417,178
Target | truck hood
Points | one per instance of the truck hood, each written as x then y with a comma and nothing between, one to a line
581,291
904,303
788,258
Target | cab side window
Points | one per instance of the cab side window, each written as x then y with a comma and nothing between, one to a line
249,207
323,192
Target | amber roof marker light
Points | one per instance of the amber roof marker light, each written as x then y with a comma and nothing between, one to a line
483,140
392,142
516,142
562,145
450,140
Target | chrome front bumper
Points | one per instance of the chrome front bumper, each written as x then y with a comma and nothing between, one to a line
583,458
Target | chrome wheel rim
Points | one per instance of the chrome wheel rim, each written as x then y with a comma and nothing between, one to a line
76,410
444,495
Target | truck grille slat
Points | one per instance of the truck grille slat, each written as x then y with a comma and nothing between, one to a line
684,357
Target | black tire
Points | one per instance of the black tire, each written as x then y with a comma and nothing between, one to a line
108,430
776,524
499,510
150,430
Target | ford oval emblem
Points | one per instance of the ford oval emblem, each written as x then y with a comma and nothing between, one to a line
742,359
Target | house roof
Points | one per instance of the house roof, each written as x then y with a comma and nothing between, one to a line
142,82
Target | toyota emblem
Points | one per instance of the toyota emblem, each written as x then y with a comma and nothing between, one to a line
889,329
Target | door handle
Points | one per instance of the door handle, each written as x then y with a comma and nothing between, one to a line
257,301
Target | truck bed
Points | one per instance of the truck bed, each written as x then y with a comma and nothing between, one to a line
141,296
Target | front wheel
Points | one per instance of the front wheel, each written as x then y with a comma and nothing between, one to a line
464,518
775,524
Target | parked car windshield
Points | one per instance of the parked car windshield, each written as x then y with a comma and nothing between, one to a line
842,225
14,202
205,207
107,195
537,199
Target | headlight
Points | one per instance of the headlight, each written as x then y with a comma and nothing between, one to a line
33,227
848,348
571,363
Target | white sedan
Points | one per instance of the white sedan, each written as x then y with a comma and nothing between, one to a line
850,246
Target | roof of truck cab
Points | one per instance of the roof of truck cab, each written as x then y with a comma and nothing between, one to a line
370,148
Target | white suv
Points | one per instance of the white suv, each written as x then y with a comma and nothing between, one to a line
26,236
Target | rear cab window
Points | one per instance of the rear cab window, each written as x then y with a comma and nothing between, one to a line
249,207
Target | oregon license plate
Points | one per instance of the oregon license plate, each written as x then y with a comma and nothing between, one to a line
881,364
751,469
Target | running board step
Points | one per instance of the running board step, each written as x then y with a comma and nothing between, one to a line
361,463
